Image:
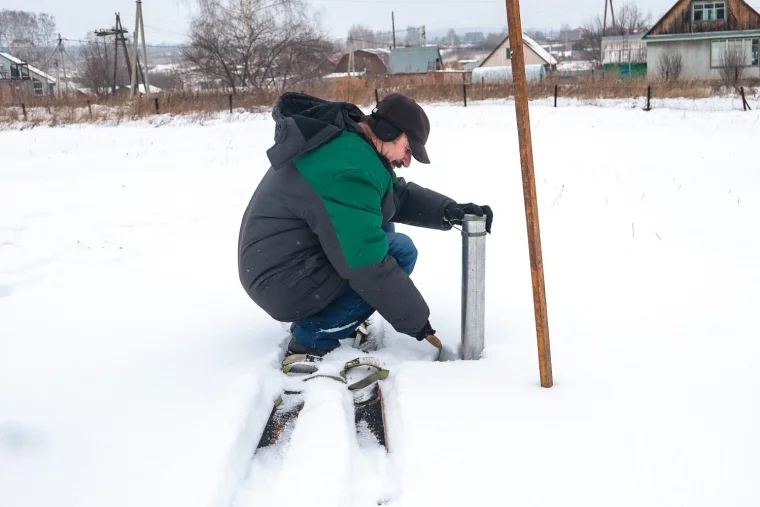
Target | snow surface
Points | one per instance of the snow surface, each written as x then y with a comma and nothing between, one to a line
134,370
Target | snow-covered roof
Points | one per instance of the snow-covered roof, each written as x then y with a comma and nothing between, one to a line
536,47
32,69
37,71
533,45
11,58
377,51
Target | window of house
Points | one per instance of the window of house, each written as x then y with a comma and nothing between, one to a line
709,11
368,64
37,86
745,49
509,53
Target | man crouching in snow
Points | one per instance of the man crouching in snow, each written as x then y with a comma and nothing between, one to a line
317,244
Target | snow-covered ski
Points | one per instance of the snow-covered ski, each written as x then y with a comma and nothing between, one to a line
369,414
282,419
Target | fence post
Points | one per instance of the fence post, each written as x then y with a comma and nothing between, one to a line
89,107
377,97
473,286
483,87
649,98
464,93
156,99
556,90
23,108
230,98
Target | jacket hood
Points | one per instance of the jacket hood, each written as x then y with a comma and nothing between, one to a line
303,123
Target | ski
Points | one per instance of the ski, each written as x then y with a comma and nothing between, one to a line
369,409
281,420
369,418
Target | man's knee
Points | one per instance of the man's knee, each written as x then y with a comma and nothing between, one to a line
401,247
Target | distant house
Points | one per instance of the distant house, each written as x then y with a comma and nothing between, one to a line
18,79
534,55
415,60
624,55
704,34
369,61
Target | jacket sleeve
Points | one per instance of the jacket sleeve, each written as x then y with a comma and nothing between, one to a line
419,206
348,222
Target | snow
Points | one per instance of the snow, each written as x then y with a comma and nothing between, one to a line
570,65
496,75
134,370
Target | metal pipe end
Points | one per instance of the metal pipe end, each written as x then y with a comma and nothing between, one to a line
474,218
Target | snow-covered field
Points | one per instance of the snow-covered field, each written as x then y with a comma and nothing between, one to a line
134,370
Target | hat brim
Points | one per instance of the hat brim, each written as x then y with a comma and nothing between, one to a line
418,151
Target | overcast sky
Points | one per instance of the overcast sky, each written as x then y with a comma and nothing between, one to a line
168,20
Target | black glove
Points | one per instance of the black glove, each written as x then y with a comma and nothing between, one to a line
454,213
426,330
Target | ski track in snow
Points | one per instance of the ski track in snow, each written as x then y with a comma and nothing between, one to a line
134,370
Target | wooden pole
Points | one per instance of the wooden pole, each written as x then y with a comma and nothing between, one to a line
23,108
649,98
123,39
464,93
556,90
520,83
230,98
604,27
156,99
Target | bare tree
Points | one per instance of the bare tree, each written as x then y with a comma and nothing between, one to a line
732,64
96,71
27,35
631,19
451,37
670,65
591,39
252,44
413,36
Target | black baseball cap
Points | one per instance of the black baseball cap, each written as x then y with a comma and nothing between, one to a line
397,114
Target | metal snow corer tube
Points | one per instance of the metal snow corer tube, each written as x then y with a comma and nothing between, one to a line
473,286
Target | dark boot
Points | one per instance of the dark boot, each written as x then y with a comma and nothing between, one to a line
298,348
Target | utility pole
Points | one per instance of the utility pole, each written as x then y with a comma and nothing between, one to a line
62,51
393,24
58,79
424,36
118,32
145,49
612,11
135,66
121,36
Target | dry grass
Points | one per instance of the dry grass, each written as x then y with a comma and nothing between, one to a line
202,106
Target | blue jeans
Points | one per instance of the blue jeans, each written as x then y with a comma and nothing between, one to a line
341,318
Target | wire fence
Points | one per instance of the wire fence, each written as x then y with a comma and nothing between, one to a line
366,91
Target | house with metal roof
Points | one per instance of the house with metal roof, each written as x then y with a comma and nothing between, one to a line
19,79
415,60
368,61
534,55
706,36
